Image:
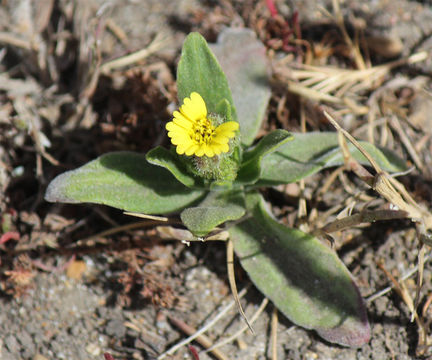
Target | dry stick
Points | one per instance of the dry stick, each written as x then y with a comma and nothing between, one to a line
130,59
311,94
384,184
302,207
219,316
243,329
354,47
363,217
404,294
330,179
316,83
114,230
421,261
9,39
394,121
185,236
232,282
392,191
201,339
386,290
274,324
117,31
145,216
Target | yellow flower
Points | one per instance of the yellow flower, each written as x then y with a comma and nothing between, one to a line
194,134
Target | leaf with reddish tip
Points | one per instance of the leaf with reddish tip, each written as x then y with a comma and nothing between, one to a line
304,278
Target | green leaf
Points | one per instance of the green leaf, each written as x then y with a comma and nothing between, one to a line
311,152
124,180
304,278
250,169
198,70
170,161
217,208
244,61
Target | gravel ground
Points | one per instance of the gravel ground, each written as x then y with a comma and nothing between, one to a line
67,296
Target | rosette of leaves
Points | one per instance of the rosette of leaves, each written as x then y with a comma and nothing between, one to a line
303,277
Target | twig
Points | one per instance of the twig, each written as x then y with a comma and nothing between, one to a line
388,187
145,216
115,230
9,39
353,47
407,299
330,84
386,290
394,121
218,317
274,324
201,338
232,282
117,31
363,217
130,59
394,192
421,262
244,328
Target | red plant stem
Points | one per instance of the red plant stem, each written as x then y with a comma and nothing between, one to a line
296,25
9,235
194,352
272,8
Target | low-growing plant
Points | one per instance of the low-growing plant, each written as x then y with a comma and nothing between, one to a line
213,174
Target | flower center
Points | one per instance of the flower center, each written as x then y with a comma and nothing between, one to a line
203,131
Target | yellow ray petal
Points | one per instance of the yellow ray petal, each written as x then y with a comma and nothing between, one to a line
194,108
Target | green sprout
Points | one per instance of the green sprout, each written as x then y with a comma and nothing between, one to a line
213,174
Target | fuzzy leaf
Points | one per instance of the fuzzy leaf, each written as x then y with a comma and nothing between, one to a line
198,70
223,108
250,169
309,153
304,278
217,208
243,59
170,161
124,180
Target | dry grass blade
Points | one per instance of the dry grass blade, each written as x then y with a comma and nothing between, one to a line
388,187
145,216
421,263
211,323
201,339
274,324
407,275
395,123
363,217
333,85
169,232
354,46
91,240
243,329
407,299
232,282
158,43
9,39
394,192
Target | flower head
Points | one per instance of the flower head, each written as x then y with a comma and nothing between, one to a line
193,133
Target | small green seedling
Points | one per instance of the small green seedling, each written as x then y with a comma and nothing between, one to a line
212,176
